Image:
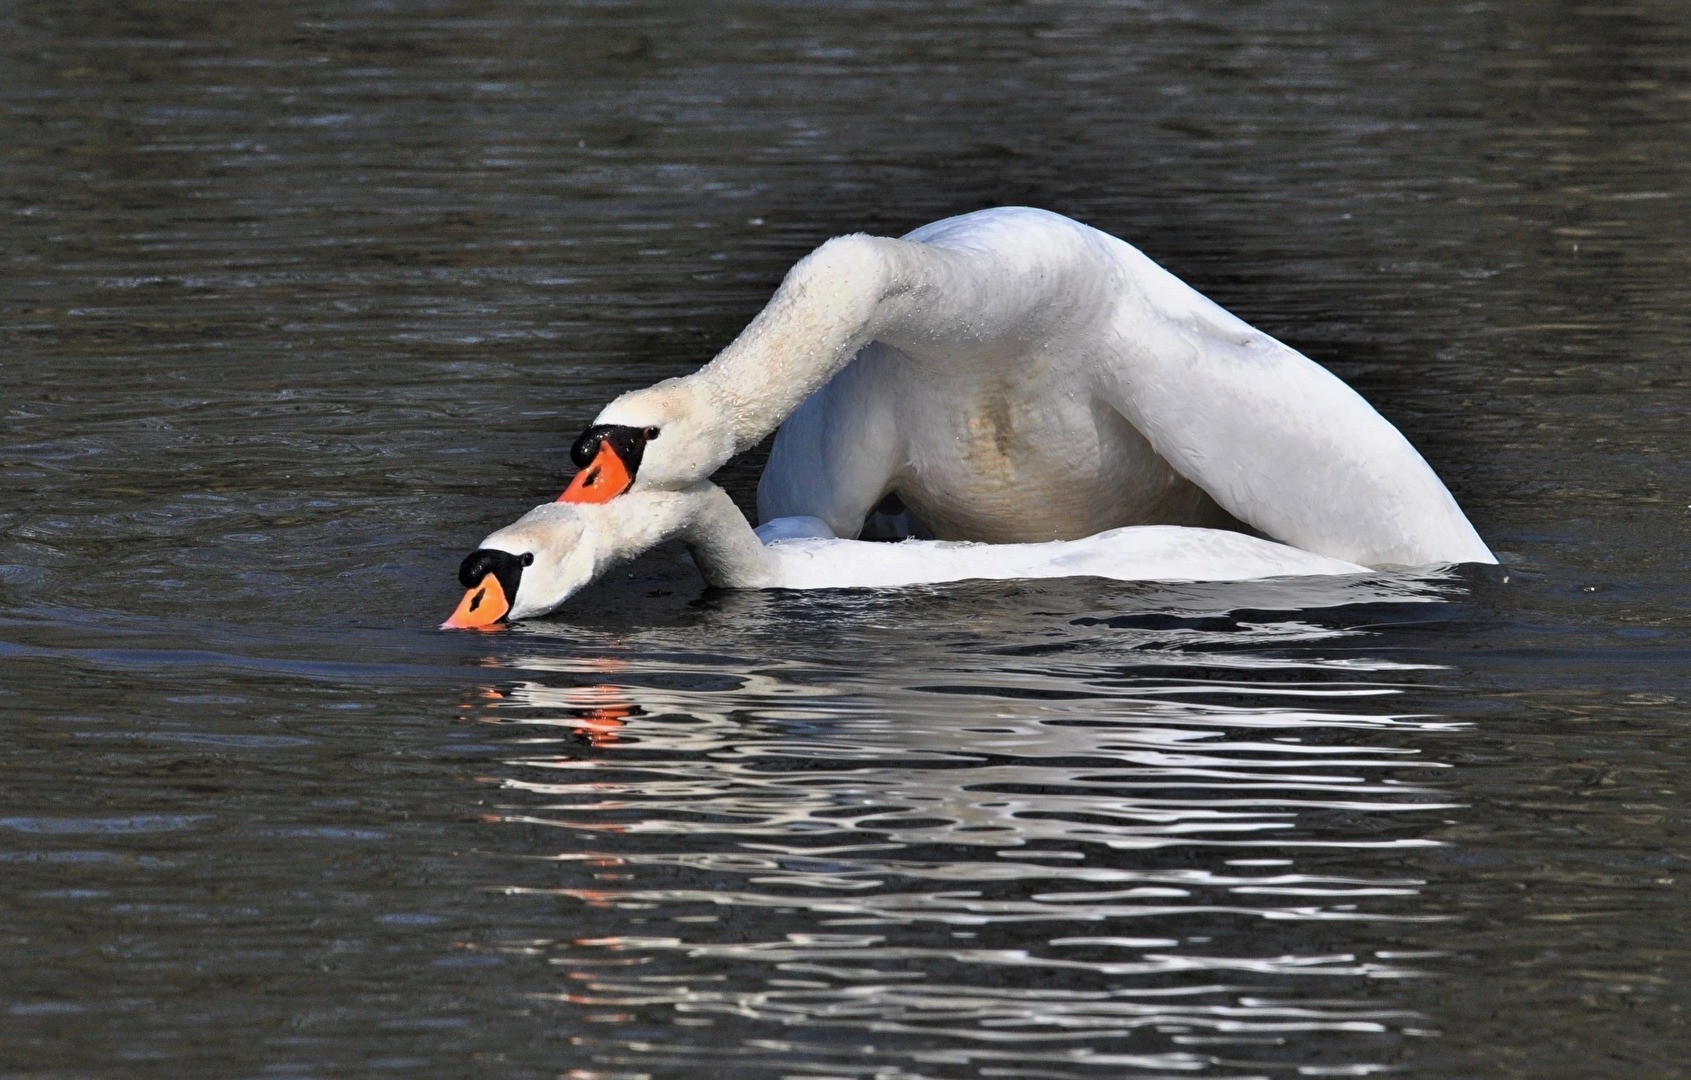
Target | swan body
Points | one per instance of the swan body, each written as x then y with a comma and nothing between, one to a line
1015,376
1130,553
560,548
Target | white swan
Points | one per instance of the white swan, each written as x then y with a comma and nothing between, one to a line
551,553
1012,375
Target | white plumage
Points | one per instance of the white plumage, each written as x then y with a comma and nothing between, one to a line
1012,375
572,544
1132,553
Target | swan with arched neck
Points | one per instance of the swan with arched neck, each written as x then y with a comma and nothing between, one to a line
532,566
1012,375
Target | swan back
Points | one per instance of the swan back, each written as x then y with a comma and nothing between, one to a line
1133,553
566,546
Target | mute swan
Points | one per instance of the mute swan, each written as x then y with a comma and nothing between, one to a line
1013,375
556,549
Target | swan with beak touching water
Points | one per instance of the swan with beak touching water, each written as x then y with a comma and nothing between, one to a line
1012,376
557,549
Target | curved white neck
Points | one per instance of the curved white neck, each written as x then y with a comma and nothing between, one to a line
703,517
829,306
916,297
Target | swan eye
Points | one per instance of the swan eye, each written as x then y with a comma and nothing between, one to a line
528,558
650,433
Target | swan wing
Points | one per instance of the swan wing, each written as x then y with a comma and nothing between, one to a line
1278,441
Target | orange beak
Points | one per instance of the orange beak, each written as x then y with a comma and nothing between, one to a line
483,605
605,477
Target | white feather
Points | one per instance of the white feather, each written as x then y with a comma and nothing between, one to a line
1013,375
572,544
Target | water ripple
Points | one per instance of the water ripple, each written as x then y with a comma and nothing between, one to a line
1094,821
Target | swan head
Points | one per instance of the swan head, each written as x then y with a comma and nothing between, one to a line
664,437
557,549
529,567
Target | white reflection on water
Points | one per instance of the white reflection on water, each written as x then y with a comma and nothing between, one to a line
1075,846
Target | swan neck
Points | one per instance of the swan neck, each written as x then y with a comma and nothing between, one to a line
830,305
722,543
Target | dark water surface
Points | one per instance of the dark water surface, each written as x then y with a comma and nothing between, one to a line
302,300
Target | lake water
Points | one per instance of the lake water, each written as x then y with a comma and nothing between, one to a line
302,300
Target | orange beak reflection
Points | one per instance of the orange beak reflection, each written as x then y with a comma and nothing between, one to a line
483,604
608,708
605,477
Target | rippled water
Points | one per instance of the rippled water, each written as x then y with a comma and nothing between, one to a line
300,301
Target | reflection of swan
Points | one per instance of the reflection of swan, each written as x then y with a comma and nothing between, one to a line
555,550
1012,375
818,789
1117,737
